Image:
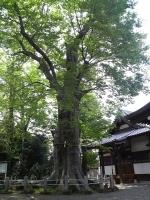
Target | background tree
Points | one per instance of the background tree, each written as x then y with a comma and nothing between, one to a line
35,157
23,115
79,46
94,123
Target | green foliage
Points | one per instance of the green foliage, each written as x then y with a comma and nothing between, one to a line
112,45
34,157
24,110
91,159
27,93
93,123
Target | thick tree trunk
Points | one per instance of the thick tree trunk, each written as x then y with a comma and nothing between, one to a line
67,151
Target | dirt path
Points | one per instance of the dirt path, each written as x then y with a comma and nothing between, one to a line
127,192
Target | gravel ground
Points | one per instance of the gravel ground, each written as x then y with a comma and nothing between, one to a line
126,192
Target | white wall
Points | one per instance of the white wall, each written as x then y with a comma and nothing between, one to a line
142,168
139,143
92,173
109,169
124,126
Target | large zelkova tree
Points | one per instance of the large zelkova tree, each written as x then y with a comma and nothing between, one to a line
79,46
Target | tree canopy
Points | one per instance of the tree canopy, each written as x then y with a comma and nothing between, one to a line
99,37
79,46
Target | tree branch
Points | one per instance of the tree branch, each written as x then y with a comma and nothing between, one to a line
72,49
44,68
32,83
88,90
28,53
85,66
42,64
83,31
81,93
32,43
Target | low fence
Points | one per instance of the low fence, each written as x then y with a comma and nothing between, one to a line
27,184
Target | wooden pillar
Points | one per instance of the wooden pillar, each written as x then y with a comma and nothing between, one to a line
27,187
84,161
45,185
86,183
6,184
66,183
112,182
101,182
114,156
101,159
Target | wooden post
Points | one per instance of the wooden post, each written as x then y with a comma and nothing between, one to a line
112,183
45,185
6,184
86,182
66,183
101,182
26,185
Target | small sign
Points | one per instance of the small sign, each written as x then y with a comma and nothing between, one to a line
3,168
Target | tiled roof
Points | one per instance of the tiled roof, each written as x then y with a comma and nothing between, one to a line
123,135
136,116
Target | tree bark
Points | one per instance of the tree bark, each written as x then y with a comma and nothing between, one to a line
67,151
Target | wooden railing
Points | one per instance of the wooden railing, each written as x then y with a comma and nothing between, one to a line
27,184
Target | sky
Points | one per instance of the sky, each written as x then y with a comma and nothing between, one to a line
143,11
